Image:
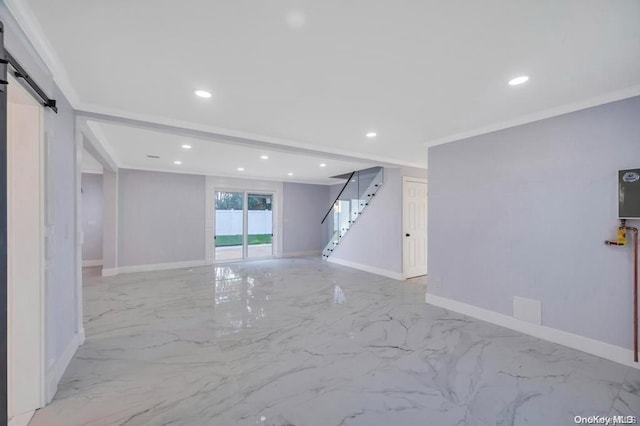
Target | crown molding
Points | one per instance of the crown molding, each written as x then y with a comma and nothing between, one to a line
606,98
26,19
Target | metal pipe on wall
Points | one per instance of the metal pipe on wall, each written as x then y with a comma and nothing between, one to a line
621,241
635,291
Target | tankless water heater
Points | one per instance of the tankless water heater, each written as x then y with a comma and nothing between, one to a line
629,194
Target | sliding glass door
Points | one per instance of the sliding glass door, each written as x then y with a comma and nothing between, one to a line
243,225
229,230
259,225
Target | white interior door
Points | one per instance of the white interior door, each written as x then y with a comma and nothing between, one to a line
25,215
414,220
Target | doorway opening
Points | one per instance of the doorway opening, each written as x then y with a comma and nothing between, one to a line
243,225
92,213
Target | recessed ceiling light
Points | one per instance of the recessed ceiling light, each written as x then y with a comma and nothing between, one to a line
372,134
264,157
323,165
186,146
177,162
203,94
241,169
518,80
289,174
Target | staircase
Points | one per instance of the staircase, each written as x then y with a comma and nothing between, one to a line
355,196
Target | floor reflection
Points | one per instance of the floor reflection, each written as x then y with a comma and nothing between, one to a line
225,273
339,297
236,303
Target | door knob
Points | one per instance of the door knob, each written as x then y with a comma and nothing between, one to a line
408,235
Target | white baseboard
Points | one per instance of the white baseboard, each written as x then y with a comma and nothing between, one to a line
378,271
594,347
81,337
109,272
21,419
153,267
56,371
308,253
95,262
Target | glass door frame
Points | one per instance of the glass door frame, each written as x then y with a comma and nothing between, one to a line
242,245
245,223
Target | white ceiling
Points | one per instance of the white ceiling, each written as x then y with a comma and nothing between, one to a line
132,145
320,74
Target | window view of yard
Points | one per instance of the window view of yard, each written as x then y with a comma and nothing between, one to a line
231,212
236,240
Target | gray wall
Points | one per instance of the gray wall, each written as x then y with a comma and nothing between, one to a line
334,190
92,216
109,219
524,212
160,217
304,206
61,313
375,240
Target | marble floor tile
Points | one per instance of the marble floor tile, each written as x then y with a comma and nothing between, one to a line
304,342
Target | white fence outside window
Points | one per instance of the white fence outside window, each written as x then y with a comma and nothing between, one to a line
229,222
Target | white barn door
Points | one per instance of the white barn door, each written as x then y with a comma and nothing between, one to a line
25,290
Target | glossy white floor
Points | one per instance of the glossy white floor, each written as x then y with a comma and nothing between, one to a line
302,342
